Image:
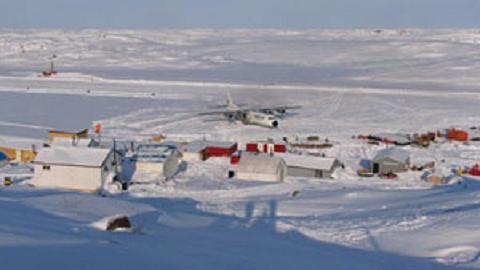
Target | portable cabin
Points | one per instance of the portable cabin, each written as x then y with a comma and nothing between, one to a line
259,167
54,134
265,147
74,168
156,158
310,166
391,160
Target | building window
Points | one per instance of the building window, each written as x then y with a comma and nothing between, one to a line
46,167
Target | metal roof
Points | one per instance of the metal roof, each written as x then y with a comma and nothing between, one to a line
310,162
394,153
154,152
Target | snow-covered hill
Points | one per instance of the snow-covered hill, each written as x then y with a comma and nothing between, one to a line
144,83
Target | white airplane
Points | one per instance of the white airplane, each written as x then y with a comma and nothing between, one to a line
249,115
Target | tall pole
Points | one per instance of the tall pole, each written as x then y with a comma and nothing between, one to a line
115,157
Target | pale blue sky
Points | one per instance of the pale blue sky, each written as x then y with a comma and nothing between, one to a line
157,14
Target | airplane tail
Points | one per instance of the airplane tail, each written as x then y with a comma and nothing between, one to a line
229,100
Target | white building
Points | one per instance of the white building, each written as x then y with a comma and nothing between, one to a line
76,168
260,167
155,158
193,151
391,160
310,166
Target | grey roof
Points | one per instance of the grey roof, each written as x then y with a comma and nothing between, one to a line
393,153
310,162
155,152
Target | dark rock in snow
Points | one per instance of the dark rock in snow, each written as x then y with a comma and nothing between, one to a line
121,222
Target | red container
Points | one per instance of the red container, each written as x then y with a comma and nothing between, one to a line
475,170
280,148
251,147
457,135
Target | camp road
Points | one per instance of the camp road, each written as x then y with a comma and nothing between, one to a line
145,88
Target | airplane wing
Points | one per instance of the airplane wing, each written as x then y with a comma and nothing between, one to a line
222,112
278,108
223,106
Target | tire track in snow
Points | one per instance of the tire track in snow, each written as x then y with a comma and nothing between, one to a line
13,124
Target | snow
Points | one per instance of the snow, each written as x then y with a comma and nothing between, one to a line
138,84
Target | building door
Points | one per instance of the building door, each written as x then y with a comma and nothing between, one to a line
376,167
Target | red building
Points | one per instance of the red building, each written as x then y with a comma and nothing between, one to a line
219,149
266,147
475,170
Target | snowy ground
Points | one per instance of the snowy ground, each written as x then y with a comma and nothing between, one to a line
142,83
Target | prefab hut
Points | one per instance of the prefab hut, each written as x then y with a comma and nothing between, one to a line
75,168
309,166
260,167
156,158
391,160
